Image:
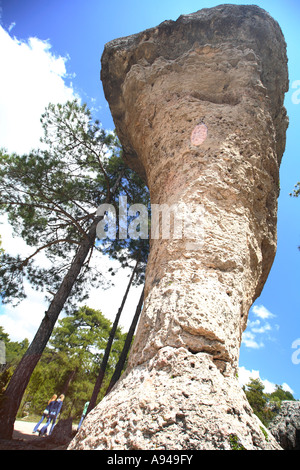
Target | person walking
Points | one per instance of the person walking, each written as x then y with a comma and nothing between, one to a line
54,410
44,415
83,414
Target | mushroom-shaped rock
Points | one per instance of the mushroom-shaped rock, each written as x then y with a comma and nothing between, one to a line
198,107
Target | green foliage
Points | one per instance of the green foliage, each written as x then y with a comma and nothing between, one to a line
51,197
3,336
125,250
70,364
235,443
13,353
13,350
82,337
256,398
264,433
5,376
1,249
265,405
280,395
296,191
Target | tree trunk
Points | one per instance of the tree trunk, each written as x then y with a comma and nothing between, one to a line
104,362
68,381
13,395
127,344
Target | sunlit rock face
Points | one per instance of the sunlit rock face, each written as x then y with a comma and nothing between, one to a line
198,108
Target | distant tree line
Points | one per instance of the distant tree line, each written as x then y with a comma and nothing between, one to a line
265,405
69,364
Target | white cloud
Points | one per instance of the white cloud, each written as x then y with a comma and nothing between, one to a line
259,330
109,300
263,329
246,375
16,245
22,321
253,324
249,341
287,388
11,26
31,77
261,312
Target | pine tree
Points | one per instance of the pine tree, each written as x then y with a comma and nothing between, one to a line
51,198
127,344
112,334
1,249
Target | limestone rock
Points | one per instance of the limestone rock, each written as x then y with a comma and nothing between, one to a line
198,107
286,426
223,68
176,400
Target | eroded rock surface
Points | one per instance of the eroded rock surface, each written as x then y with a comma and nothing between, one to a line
176,400
198,107
286,426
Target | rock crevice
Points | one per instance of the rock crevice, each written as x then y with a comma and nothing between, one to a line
286,426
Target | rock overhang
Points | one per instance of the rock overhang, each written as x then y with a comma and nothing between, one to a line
245,27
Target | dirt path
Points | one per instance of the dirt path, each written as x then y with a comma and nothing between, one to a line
23,430
24,439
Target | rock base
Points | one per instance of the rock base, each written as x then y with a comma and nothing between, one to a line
175,401
62,432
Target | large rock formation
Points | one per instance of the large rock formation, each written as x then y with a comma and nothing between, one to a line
286,426
198,107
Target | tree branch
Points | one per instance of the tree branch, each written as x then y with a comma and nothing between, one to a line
54,242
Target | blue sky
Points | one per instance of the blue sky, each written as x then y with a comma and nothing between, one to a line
63,61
